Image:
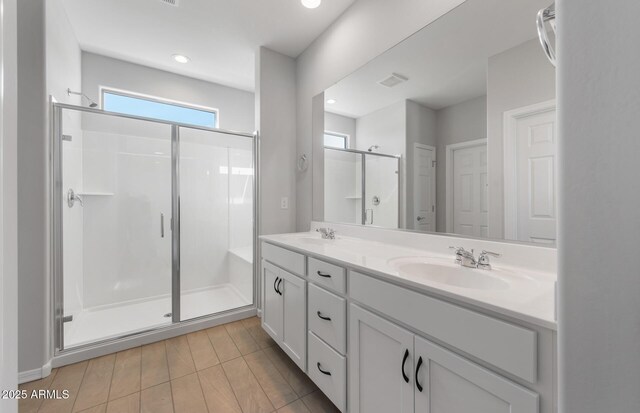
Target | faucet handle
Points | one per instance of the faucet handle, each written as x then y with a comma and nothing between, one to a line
493,254
483,259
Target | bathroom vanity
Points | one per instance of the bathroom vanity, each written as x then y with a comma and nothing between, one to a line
386,321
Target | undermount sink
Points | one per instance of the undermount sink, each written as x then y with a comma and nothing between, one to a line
314,241
446,271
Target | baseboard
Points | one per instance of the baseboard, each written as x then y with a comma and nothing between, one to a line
35,374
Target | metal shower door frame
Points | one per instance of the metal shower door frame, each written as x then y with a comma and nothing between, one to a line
56,235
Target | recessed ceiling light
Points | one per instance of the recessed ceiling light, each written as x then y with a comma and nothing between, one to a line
180,58
311,4
331,101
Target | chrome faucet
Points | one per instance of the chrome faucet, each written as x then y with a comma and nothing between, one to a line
464,257
327,233
467,259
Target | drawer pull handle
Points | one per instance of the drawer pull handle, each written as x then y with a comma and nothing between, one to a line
274,285
418,385
328,373
278,286
324,317
320,273
404,360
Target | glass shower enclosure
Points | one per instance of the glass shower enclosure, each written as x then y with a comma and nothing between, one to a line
154,224
361,187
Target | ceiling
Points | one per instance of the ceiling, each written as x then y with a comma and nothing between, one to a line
446,62
220,36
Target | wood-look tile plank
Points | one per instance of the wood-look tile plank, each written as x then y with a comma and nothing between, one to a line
29,404
204,356
156,399
101,408
94,389
155,369
187,395
128,404
317,402
179,357
274,385
296,407
223,344
217,391
126,374
246,388
254,328
297,379
67,378
241,337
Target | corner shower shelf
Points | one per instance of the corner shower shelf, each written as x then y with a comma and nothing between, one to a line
353,197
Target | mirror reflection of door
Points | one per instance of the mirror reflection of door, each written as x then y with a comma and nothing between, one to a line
467,170
531,173
424,199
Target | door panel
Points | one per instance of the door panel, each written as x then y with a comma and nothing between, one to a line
271,301
452,384
424,188
470,191
536,170
294,316
377,349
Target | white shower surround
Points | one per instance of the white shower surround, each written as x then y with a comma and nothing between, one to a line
113,250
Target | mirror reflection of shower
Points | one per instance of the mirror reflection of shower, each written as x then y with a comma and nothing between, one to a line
92,104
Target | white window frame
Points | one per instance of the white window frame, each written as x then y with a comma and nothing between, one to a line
136,95
347,139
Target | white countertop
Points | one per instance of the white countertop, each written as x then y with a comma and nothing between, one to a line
529,295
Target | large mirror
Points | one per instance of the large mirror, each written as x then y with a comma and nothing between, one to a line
453,130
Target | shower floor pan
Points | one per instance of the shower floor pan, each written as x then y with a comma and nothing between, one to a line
101,323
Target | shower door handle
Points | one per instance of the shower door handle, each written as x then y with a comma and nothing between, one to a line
161,225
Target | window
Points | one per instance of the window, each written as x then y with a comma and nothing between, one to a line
149,107
336,140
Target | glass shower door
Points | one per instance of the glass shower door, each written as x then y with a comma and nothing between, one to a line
114,209
342,186
381,199
215,179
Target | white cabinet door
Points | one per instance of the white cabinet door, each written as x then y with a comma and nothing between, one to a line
448,383
271,301
294,315
380,365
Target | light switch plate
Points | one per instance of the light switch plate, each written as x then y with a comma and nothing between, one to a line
284,202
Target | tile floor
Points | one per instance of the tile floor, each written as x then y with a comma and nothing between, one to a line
233,368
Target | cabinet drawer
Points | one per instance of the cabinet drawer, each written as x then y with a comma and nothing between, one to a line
507,346
289,260
324,305
328,275
333,382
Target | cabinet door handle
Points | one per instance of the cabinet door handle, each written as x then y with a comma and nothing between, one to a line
328,373
404,360
274,285
418,385
320,273
324,317
278,287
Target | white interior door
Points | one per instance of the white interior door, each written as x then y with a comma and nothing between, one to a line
531,174
469,179
424,194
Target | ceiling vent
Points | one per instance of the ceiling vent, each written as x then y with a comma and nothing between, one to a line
393,80
173,3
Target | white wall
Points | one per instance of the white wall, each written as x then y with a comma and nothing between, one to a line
236,106
518,77
8,205
33,258
275,119
599,194
341,124
465,121
351,41
342,189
